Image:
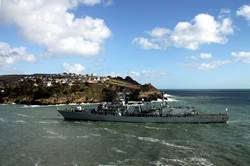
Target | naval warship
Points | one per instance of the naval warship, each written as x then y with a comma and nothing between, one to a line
145,112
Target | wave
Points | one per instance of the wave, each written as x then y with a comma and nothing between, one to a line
164,161
155,140
238,121
52,132
199,160
96,135
124,162
155,128
172,100
82,136
168,100
3,120
31,106
56,105
72,104
37,163
23,115
185,161
118,150
54,135
167,95
48,122
110,131
20,121
149,139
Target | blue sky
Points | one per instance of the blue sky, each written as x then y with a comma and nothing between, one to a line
172,44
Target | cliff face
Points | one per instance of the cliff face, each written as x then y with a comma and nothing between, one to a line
149,92
68,88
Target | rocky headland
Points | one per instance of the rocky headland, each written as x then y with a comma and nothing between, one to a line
66,88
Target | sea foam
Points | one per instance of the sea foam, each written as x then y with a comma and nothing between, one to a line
155,140
184,161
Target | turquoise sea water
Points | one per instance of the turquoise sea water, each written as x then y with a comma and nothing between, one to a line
37,135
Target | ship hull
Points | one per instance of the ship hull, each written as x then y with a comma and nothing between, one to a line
200,118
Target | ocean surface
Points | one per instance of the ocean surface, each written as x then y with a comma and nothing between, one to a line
38,136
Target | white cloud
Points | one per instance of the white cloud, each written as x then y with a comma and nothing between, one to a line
73,68
10,55
241,56
159,32
206,66
107,2
203,29
146,43
147,74
90,2
210,64
206,56
213,64
95,2
134,73
244,11
51,24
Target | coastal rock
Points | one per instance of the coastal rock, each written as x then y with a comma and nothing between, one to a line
149,92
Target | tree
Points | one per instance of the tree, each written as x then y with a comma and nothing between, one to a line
109,95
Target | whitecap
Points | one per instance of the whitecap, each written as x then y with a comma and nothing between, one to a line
124,162
20,121
172,100
168,100
164,161
174,145
167,95
82,136
110,131
52,132
23,115
2,120
176,160
96,135
199,161
57,105
48,122
118,150
155,140
54,135
158,163
148,139
72,104
130,135
37,163
155,128
30,106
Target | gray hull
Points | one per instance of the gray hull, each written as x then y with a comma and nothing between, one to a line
200,118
